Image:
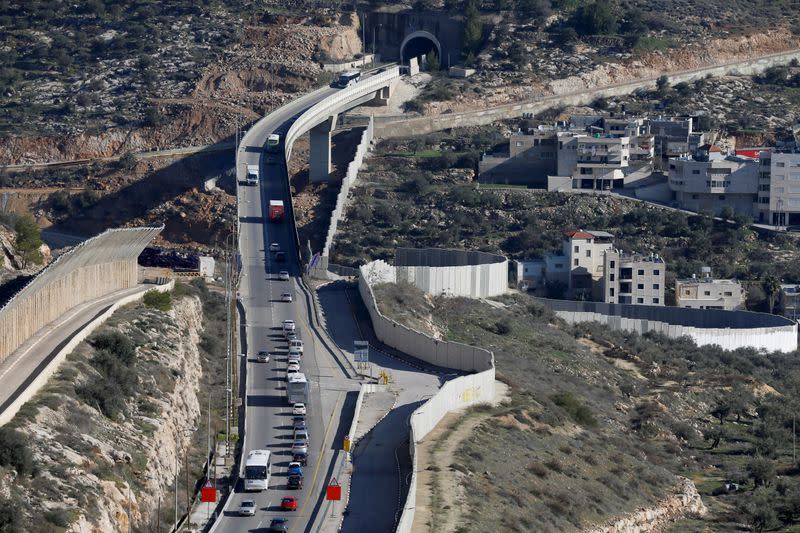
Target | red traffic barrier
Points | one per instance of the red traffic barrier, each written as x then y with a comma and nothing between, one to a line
208,494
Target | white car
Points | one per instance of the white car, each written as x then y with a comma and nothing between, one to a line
301,434
286,297
274,247
299,409
293,360
290,371
295,347
283,275
289,325
248,508
263,357
293,367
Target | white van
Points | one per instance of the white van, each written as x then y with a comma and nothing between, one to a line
295,347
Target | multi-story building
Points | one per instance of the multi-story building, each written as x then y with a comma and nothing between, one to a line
585,250
778,197
601,161
789,301
674,136
631,278
714,182
708,293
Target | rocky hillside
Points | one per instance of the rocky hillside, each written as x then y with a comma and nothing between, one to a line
105,434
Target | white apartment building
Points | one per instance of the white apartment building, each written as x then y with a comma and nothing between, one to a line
708,293
714,184
585,250
601,161
631,278
778,194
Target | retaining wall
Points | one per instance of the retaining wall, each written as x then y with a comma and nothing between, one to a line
398,127
457,393
728,329
96,267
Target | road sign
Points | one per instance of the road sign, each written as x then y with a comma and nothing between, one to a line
346,443
361,351
208,494
334,491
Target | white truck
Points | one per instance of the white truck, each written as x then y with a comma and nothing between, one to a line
252,175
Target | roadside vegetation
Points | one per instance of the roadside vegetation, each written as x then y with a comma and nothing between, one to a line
601,422
422,192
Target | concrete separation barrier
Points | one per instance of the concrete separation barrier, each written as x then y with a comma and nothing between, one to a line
457,393
730,330
321,268
95,268
399,127
52,366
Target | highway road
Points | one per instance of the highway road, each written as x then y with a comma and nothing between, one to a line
268,415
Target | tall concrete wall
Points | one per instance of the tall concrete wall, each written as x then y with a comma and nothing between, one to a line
399,127
453,272
96,267
457,393
730,330
341,199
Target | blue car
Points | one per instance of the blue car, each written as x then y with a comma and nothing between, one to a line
295,469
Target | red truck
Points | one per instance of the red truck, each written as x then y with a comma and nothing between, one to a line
275,210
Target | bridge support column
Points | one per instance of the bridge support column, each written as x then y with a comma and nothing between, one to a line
320,151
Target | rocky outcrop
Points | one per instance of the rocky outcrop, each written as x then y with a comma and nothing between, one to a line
685,501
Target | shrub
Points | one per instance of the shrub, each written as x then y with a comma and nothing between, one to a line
158,300
15,453
579,413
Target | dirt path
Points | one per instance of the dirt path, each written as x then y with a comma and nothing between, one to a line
439,488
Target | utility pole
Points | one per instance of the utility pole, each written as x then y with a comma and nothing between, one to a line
177,468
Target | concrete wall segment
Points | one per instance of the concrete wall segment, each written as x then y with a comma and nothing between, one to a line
96,267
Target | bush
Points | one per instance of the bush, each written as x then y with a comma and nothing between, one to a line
114,360
579,413
15,453
158,300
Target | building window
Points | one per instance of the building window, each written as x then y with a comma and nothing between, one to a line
611,264
577,249
656,286
656,272
655,300
687,292
707,293
588,253
611,291
779,165
611,277
640,272
727,293
695,171
575,262
640,286
639,300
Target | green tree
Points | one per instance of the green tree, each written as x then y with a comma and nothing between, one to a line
761,470
772,287
721,410
598,18
473,31
29,240
662,86
433,61
759,509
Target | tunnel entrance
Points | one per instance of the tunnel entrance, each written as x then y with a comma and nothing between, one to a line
418,44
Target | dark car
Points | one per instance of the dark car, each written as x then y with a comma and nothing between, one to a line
279,525
280,257
295,482
301,458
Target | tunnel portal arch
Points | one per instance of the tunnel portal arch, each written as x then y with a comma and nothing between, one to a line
419,43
